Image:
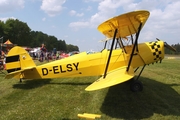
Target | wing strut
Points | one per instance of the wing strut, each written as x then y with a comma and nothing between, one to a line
105,44
135,46
121,44
107,65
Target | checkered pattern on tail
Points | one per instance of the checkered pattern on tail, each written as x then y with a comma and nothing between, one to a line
156,50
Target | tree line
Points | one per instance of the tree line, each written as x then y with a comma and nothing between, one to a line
176,46
20,33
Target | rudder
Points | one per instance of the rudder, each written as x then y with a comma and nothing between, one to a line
18,59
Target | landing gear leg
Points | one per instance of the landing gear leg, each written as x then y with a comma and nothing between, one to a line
21,77
137,85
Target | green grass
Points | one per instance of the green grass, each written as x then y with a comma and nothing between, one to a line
63,99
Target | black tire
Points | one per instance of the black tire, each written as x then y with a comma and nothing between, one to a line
136,86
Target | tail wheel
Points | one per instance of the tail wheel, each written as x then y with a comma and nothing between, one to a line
136,86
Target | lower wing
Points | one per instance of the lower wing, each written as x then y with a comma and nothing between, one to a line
112,78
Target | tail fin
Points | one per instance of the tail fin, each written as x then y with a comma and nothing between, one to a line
18,59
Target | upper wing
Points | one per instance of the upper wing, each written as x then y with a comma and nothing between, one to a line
17,74
113,77
127,24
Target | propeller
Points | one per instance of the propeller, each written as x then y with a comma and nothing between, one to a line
168,46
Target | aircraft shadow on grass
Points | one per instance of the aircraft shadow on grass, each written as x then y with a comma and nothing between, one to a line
31,84
156,97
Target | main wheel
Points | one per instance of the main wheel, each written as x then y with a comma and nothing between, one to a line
136,86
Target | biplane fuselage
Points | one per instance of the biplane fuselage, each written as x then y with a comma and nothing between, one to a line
84,64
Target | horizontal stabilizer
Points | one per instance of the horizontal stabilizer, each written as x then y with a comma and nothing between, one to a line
112,78
17,74
13,75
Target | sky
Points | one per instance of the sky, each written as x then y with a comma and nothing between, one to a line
76,21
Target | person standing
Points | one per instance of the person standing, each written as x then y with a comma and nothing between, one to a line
43,52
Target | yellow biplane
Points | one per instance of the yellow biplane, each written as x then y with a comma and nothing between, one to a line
115,65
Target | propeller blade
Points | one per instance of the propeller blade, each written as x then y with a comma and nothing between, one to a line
157,39
169,47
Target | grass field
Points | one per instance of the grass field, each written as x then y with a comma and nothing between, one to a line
63,99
